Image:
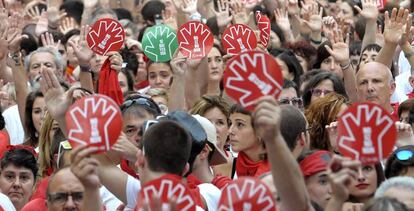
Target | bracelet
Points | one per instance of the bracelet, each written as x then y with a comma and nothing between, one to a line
344,67
315,41
408,55
86,69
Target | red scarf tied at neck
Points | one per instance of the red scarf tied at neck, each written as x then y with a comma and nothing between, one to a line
246,167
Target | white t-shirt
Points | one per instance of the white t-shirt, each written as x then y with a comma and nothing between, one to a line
133,187
5,203
211,195
13,125
108,199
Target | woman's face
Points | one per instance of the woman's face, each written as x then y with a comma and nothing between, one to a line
324,87
285,70
17,183
366,183
215,64
159,75
39,107
368,56
123,82
241,133
329,64
217,117
345,11
318,188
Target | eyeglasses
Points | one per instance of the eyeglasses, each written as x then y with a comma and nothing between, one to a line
319,92
296,101
142,101
62,197
405,156
64,145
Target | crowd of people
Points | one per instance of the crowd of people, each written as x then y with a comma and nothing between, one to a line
179,124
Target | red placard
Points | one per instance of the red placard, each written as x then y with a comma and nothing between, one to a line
106,35
366,132
263,24
246,193
195,39
381,4
238,38
94,120
167,188
251,75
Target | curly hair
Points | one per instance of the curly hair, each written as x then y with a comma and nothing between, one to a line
304,49
321,113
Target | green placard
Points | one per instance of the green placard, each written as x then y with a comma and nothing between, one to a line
159,43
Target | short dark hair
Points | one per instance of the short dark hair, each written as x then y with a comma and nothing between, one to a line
20,157
131,60
393,167
74,9
289,84
151,9
293,123
123,14
167,147
406,106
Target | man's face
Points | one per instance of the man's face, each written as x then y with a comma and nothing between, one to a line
65,193
374,84
42,61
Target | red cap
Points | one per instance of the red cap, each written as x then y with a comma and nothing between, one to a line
315,162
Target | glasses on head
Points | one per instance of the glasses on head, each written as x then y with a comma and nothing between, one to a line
64,145
142,101
296,101
63,197
404,156
319,92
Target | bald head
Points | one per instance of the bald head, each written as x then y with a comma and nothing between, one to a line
375,84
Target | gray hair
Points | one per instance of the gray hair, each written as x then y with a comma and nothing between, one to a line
402,182
55,54
99,12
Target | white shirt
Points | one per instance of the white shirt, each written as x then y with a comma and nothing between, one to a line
5,203
13,125
211,195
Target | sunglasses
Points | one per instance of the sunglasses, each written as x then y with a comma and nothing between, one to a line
405,156
296,101
141,101
64,145
62,197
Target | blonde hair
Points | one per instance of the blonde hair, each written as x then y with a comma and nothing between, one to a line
45,155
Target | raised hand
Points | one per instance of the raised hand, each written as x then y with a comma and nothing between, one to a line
223,13
315,19
116,60
341,172
4,44
266,118
84,167
90,4
126,148
405,134
57,101
394,25
369,9
33,9
178,64
68,24
14,32
407,36
54,16
189,6
329,25
340,49
332,129
239,13
250,5
282,19
42,24
82,51
49,42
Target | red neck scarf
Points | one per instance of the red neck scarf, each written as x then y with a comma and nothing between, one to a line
246,167
125,167
108,83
